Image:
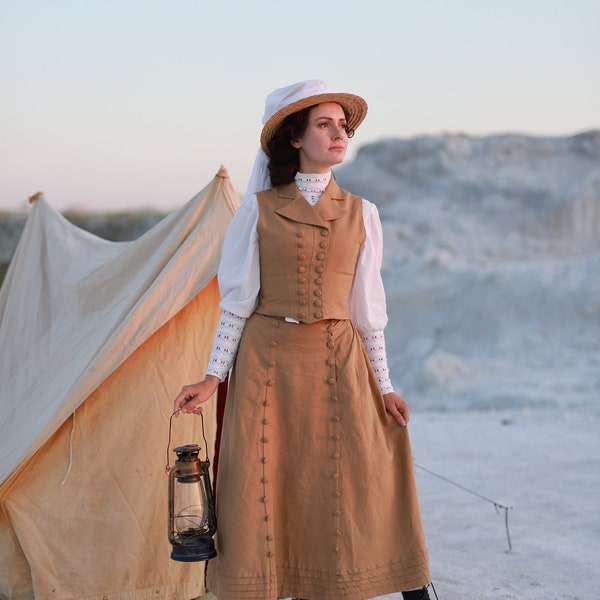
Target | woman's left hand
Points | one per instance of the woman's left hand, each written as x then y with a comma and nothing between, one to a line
397,407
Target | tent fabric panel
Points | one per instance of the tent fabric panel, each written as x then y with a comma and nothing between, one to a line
15,574
73,307
103,532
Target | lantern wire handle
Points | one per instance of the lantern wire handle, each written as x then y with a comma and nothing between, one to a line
168,466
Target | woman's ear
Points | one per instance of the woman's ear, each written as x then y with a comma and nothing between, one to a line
295,143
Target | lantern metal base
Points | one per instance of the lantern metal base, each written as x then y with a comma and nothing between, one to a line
203,549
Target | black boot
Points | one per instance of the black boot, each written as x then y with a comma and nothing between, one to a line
421,594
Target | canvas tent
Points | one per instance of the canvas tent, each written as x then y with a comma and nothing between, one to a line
96,339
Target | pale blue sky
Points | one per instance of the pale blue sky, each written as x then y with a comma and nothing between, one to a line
123,103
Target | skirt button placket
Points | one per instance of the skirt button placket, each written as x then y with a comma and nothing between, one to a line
335,436
264,440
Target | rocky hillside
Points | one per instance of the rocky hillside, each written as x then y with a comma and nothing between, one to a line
492,266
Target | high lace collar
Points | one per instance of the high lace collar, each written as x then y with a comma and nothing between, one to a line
312,185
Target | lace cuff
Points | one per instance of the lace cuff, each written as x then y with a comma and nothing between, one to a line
225,346
375,347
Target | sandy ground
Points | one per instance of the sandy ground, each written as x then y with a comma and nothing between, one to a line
543,465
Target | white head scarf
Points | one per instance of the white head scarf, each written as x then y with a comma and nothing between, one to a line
259,178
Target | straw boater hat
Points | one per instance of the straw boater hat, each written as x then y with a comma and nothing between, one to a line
285,101
293,98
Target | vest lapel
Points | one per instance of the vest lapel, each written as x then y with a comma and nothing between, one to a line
294,206
333,203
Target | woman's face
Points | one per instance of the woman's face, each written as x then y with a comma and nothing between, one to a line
324,142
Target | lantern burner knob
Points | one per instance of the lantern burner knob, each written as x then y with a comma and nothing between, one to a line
187,452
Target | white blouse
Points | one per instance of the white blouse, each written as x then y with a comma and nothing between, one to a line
239,283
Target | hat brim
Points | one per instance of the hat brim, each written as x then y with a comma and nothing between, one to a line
354,106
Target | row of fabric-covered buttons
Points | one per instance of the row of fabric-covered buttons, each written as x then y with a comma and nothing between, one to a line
335,438
303,300
302,289
264,440
319,268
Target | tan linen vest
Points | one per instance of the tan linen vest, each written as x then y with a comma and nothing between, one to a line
299,244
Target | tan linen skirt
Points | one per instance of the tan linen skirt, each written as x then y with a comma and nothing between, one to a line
316,494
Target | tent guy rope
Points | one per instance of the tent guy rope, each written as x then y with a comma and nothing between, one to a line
497,505
70,451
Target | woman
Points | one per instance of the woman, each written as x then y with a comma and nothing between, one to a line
316,491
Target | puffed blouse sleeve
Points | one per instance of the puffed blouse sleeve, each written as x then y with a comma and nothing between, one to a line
239,271
239,282
367,303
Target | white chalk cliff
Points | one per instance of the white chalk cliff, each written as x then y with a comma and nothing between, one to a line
492,266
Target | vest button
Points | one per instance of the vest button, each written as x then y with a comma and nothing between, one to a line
301,244
324,244
324,232
330,362
302,302
302,280
331,380
319,269
301,292
319,281
301,315
301,257
301,269
318,293
318,314
320,256
318,302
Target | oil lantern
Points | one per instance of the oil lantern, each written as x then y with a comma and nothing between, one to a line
192,517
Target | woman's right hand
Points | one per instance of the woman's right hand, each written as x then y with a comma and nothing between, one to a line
191,396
